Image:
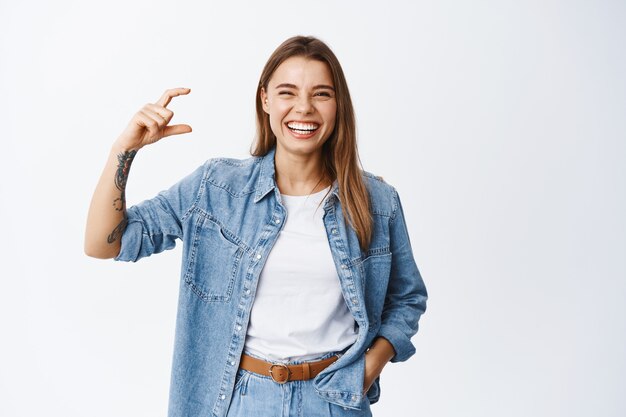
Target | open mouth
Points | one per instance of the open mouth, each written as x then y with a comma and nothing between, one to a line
303,128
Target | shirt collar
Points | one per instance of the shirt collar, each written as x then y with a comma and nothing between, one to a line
267,179
265,182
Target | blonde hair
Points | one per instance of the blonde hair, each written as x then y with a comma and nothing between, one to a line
339,153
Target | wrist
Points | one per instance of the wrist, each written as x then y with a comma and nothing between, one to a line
382,350
122,146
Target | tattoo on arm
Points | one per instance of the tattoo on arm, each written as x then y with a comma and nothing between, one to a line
124,160
118,231
123,166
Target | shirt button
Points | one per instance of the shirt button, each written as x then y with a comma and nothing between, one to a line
355,301
238,327
247,290
277,221
258,256
222,397
232,363
334,231
344,266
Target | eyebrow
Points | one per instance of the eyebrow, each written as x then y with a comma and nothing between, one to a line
317,87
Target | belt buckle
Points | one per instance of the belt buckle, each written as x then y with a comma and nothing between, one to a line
283,366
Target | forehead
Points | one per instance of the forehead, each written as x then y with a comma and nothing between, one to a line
302,72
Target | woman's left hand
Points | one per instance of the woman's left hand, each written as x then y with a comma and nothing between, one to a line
373,368
376,358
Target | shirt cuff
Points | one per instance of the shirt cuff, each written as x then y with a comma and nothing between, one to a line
400,342
131,240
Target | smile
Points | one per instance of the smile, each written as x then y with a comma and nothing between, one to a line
303,128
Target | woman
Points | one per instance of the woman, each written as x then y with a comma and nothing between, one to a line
298,283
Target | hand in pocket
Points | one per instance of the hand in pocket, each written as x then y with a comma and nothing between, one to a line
373,368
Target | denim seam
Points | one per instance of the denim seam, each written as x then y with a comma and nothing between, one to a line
371,253
208,166
227,233
228,190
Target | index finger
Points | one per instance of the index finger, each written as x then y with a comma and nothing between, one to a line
169,94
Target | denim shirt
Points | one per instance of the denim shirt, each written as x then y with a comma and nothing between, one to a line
228,214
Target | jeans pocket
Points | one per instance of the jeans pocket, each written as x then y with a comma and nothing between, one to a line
335,410
241,381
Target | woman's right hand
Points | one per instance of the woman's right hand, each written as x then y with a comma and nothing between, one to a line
149,124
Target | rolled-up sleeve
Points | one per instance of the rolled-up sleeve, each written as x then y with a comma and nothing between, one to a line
406,296
155,224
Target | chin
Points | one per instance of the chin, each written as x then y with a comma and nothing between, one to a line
300,148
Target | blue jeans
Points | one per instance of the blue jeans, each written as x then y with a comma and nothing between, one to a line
258,395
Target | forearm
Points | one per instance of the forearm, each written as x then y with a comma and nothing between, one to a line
381,351
376,357
106,219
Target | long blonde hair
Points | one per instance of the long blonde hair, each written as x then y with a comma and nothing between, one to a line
339,153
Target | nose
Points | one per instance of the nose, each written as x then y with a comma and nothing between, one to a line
304,105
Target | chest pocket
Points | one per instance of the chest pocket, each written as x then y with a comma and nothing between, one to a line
213,262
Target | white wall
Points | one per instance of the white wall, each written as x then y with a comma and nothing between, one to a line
501,123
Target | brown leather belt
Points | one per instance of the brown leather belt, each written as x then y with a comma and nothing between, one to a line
282,373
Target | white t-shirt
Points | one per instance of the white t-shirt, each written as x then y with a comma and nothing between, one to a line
299,311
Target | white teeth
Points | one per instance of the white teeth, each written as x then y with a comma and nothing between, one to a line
307,127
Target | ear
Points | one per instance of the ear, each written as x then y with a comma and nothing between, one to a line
266,107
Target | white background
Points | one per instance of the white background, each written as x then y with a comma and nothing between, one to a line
501,123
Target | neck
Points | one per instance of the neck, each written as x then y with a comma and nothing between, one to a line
299,174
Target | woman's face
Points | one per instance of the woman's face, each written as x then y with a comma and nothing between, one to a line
300,101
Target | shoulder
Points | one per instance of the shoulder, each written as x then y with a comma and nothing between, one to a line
237,176
229,166
383,196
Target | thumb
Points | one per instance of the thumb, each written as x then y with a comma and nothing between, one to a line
176,130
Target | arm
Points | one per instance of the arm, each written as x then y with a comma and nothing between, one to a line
405,302
153,225
107,218
376,357
406,296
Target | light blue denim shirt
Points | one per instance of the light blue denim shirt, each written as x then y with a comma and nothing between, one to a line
228,214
